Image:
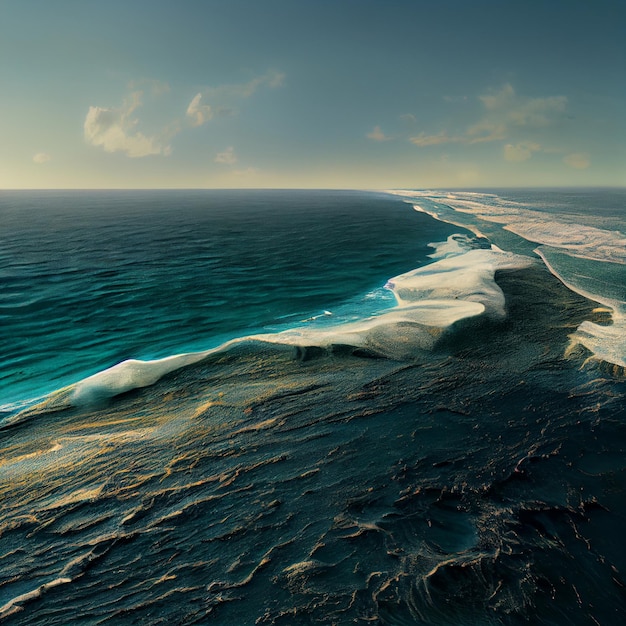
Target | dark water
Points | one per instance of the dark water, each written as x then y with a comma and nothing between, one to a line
479,481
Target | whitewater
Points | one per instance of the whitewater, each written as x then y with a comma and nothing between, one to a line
587,259
457,285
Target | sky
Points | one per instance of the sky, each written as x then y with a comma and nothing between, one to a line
357,94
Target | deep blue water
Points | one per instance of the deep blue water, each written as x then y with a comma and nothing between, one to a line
354,431
92,278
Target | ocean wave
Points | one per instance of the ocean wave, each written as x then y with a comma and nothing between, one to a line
580,240
606,343
128,375
431,302
588,260
72,570
15,605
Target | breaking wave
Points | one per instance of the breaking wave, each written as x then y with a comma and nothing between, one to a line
431,302
587,259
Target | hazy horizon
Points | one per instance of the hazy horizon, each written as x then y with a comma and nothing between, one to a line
347,189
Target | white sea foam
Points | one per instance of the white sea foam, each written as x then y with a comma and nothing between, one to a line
574,240
396,333
131,374
453,246
435,215
585,242
458,285
536,226
430,300
468,277
606,343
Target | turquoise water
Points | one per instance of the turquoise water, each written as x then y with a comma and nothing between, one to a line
92,278
340,423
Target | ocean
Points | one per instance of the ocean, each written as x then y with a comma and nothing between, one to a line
313,407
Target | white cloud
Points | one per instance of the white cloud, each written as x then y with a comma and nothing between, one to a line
409,118
486,130
275,79
224,112
506,107
521,151
157,87
505,114
41,157
434,140
227,157
114,130
270,79
498,99
199,113
224,95
377,135
577,160
455,99
538,112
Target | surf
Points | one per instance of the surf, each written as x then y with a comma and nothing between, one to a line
431,303
587,259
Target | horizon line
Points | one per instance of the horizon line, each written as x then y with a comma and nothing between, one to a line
374,190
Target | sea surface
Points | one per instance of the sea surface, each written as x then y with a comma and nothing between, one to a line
313,407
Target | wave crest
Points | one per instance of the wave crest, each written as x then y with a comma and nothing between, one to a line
430,301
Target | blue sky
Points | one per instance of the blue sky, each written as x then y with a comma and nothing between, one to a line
312,93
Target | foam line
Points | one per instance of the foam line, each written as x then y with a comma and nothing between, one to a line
468,277
471,227
395,334
128,375
430,301
453,246
558,236
614,305
606,343
580,240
